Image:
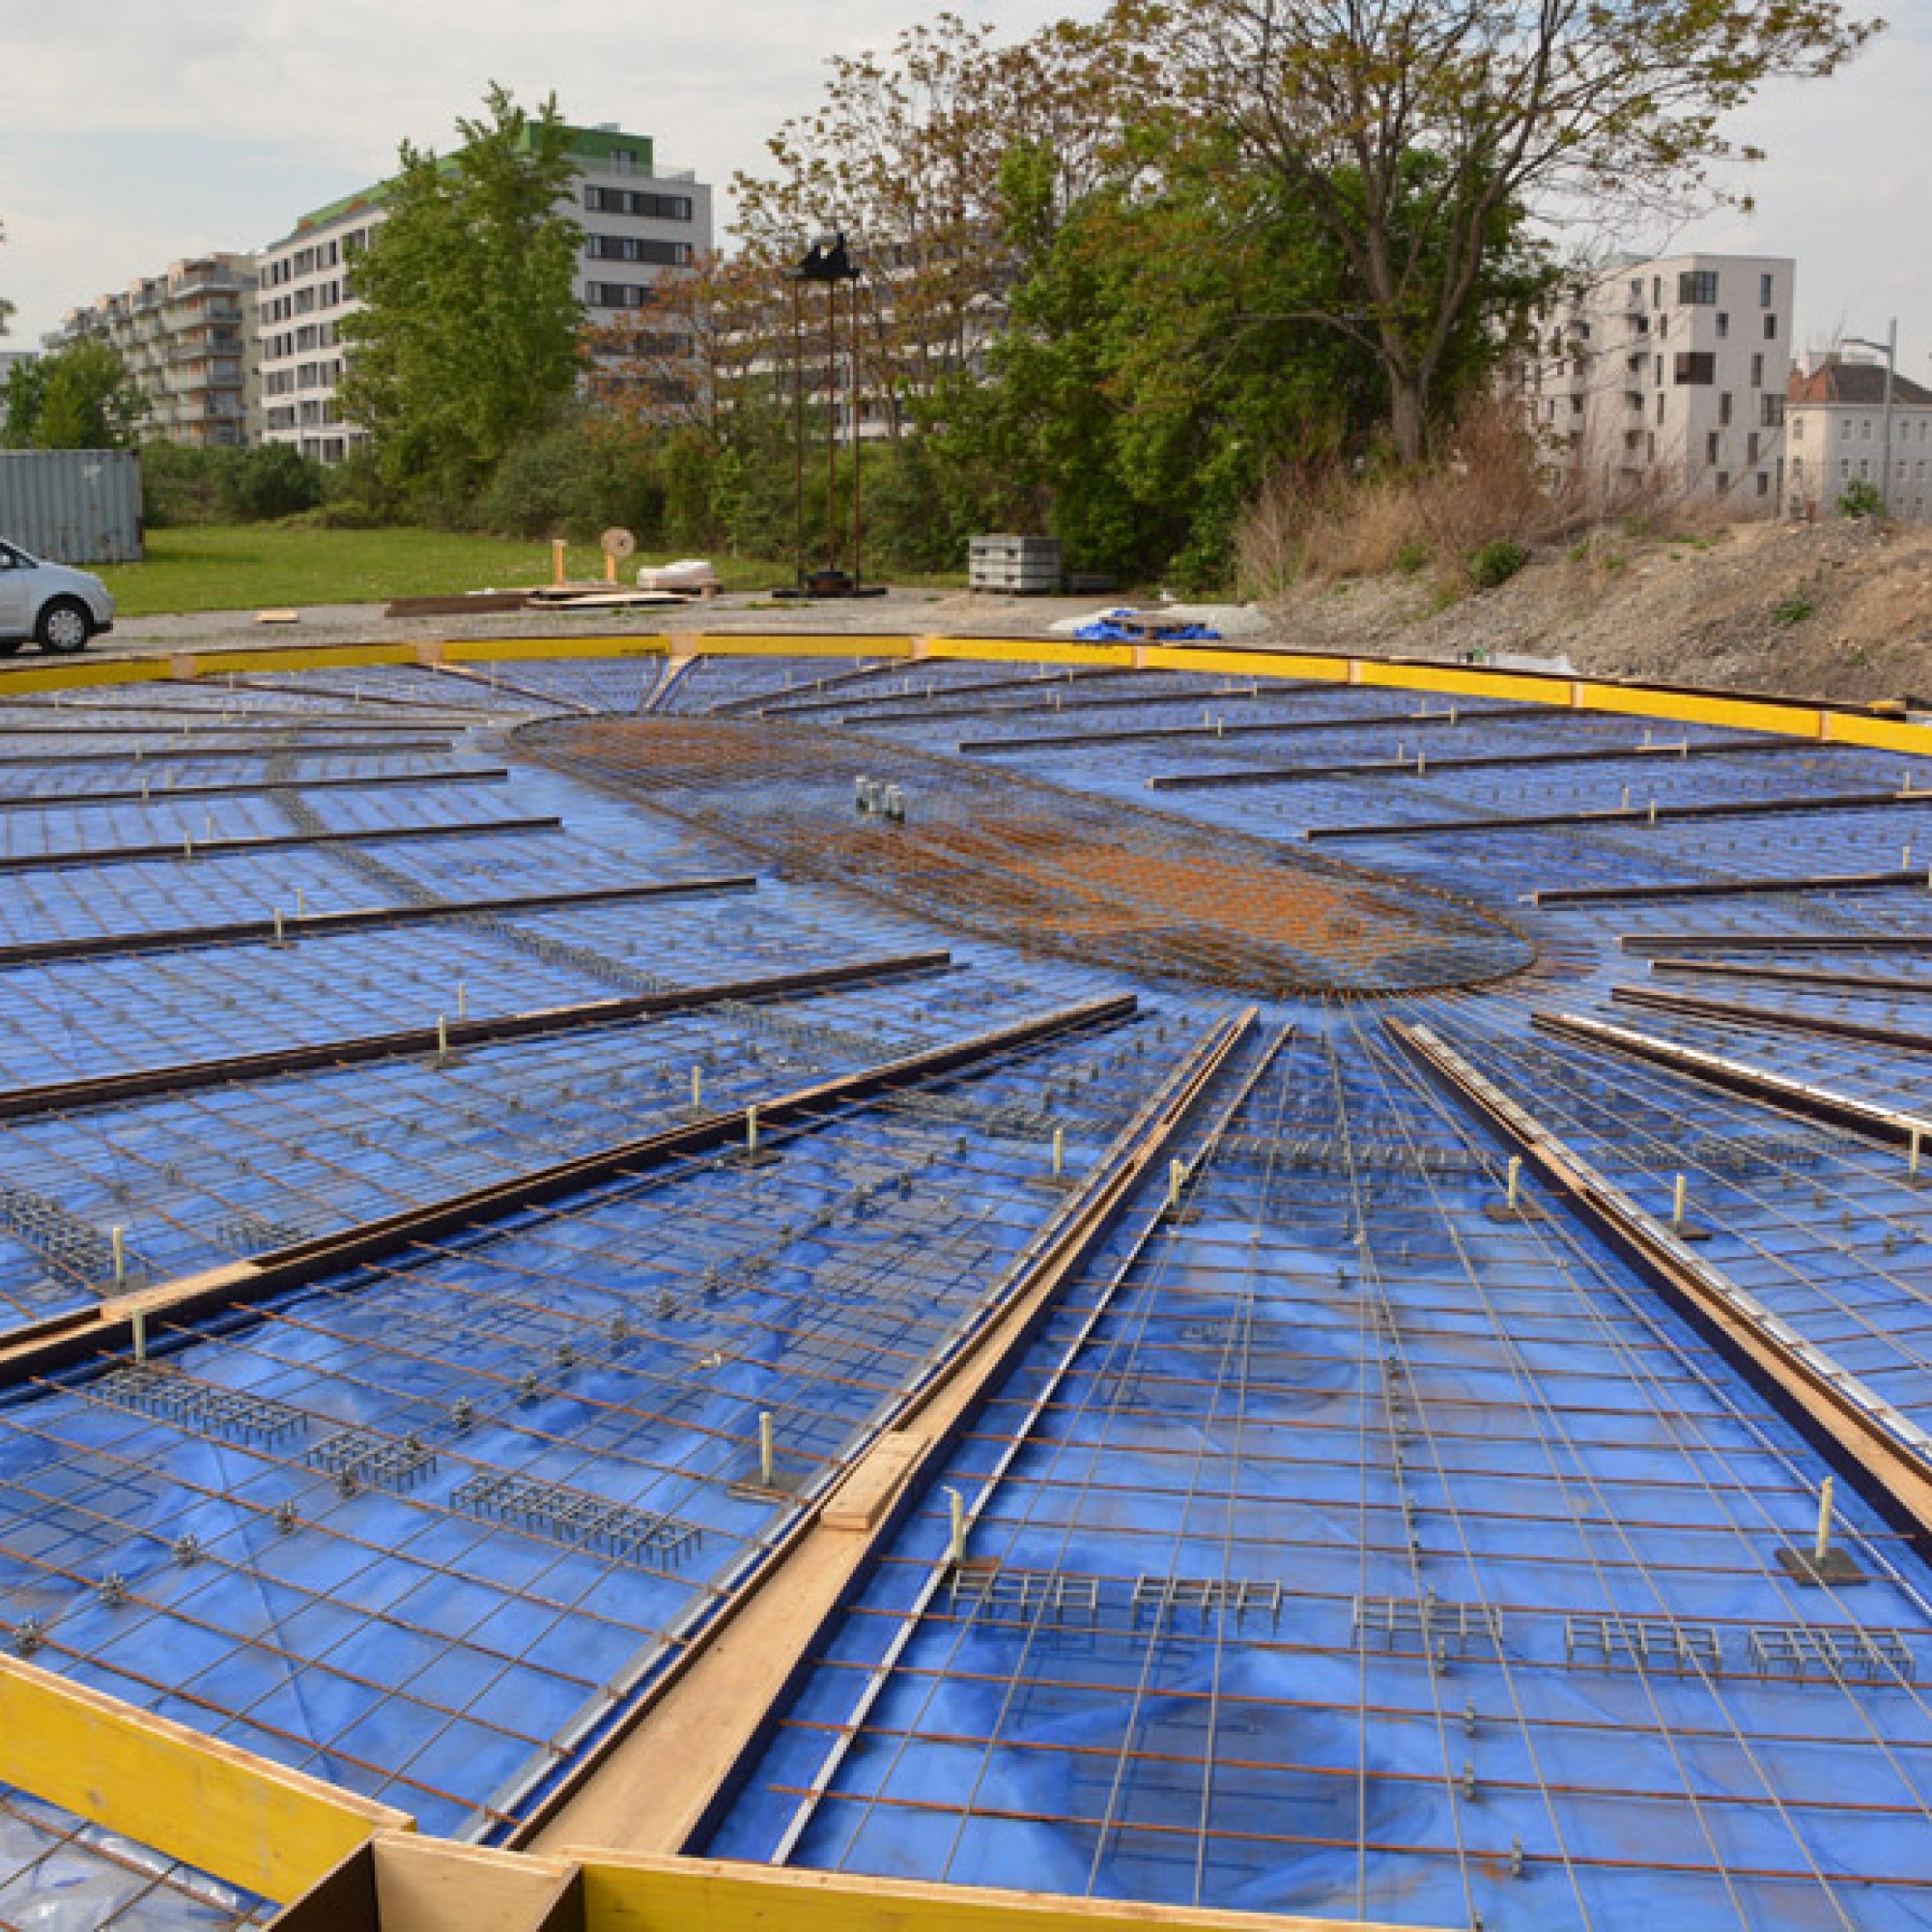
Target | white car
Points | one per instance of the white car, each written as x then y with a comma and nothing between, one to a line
58,608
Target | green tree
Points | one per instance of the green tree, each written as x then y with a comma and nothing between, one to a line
469,334
6,307
80,397
1162,355
1551,105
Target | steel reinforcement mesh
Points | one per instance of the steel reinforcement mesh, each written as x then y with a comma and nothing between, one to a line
1352,1541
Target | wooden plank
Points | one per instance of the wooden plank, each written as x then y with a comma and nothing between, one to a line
865,1496
626,1893
430,1885
651,1786
213,1806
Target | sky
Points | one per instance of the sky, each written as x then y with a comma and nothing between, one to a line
134,133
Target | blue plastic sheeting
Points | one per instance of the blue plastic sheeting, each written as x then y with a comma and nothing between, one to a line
59,1873
1343,1548
1314,1579
1109,629
433,1625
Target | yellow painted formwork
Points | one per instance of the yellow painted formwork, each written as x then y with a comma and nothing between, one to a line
222,1810
1740,712
679,1895
289,658
73,676
780,644
1028,650
488,650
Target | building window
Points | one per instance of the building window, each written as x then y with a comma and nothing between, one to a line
1750,447
1845,428
1723,324
1697,288
1723,481
1636,290
1771,328
1725,408
1770,421
1865,467
1865,429
1657,291
1658,360
1757,369
1652,452
1660,406
1764,292
1711,447
1763,484
1696,368
1844,466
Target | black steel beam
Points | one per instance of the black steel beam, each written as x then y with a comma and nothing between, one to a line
107,1089
1418,767
273,841
1797,976
246,787
1627,814
1731,1012
65,1339
358,919
1148,734
1727,888
1647,944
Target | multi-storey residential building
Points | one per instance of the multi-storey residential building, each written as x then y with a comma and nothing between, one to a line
1836,420
184,337
1670,372
638,223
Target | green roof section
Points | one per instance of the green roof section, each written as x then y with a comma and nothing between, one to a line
589,144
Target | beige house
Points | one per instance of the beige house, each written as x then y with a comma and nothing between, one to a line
1840,433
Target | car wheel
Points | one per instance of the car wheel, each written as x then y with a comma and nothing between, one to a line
64,627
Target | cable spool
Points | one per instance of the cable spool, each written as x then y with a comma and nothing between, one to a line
616,543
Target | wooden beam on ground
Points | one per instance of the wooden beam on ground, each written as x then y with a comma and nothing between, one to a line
650,1788
188,1797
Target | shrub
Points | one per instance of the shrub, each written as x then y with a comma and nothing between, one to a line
273,480
1497,562
1411,556
1860,497
1792,610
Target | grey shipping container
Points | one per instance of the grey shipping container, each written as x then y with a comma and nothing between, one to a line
1019,565
72,505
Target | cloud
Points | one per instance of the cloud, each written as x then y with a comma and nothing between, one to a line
227,119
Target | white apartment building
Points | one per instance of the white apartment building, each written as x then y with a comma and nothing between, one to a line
1837,421
638,224
1670,372
183,336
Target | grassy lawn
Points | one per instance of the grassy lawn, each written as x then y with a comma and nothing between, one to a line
262,566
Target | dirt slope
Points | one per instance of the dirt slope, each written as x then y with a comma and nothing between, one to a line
1839,610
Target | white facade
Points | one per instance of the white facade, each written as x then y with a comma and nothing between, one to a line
1672,373
638,225
1836,422
183,336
